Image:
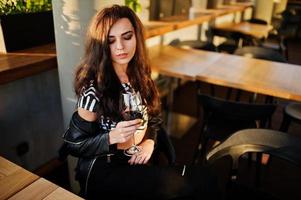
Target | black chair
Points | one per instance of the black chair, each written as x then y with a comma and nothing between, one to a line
279,145
286,26
232,39
257,21
166,85
164,147
223,117
291,113
260,53
195,44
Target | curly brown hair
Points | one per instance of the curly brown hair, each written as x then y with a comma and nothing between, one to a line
97,65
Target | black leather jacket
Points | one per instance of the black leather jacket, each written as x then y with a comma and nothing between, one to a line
87,141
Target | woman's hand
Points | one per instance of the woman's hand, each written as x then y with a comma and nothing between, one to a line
143,156
124,131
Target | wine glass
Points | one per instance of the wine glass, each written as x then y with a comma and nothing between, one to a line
131,108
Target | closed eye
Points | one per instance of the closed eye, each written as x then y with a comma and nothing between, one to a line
111,40
128,36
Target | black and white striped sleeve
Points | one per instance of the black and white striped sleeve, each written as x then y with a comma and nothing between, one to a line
88,99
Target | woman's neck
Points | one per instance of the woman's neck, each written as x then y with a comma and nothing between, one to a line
120,71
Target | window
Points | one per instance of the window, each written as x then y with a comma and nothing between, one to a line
166,8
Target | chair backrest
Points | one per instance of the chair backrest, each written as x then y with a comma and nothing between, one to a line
285,154
175,42
222,118
227,34
234,110
257,21
196,44
233,38
164,84
276,143
260,53
165,146
208,46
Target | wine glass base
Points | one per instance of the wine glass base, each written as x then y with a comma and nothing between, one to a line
132,150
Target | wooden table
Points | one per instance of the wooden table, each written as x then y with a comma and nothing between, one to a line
255,75
182,21
155,28
18,183
13,178
229,9
266,77
180,63
257,31
27,62
44,189
168,24
173,23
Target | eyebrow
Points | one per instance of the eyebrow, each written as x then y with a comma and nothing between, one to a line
122,33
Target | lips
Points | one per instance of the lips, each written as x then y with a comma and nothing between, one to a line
122,55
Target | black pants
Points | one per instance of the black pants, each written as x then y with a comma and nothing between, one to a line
118,179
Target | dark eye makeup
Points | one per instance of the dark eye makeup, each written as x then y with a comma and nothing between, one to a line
126,36
111,40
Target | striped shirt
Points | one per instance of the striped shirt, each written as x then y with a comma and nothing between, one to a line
88,100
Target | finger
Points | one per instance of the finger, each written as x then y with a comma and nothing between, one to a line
141,160
124,137
127,135
130,123
137,160
146,159
123,132
132,160
129,130
140,157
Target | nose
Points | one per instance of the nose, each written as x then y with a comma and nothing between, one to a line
119,45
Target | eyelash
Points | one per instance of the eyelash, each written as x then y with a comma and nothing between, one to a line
127,37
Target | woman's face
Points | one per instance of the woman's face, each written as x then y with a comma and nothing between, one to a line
122,40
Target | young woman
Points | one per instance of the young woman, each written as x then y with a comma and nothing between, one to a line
115,63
